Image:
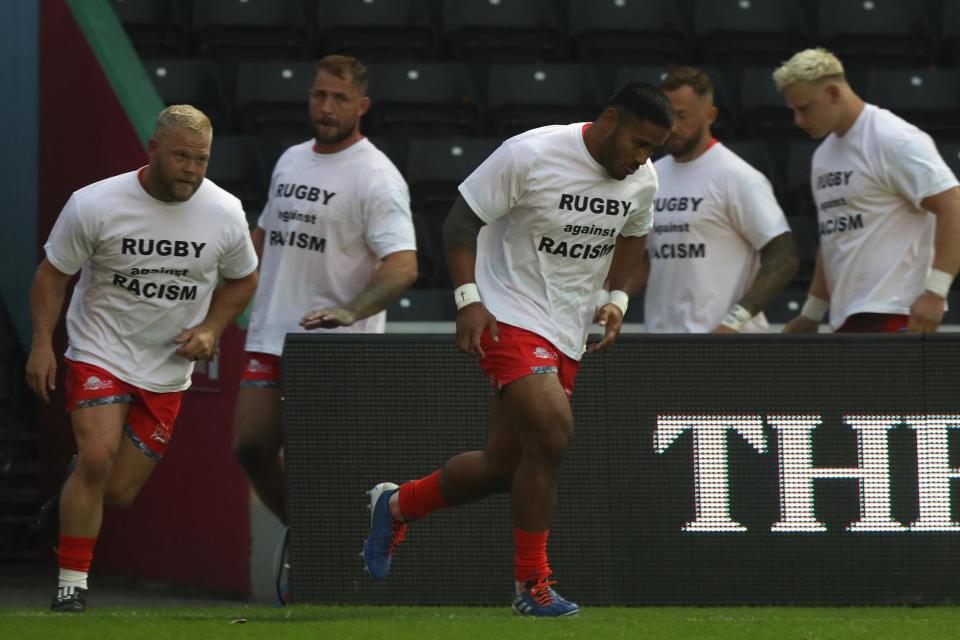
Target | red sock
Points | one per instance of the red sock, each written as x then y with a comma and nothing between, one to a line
419,498
530,555
75,554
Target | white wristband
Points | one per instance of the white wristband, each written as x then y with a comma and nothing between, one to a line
466,294
938,282
814,308
619,299
736,317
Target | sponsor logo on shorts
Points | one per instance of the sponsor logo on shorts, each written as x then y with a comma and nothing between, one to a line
544,354
161,433
94,383
255,366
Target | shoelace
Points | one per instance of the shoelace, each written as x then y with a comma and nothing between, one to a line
542,592
399,535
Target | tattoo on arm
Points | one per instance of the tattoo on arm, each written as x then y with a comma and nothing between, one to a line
461,227
778,264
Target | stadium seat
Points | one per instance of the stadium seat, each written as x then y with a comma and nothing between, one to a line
525,96
799,198
377,30
722,127
951,155
876,33
763,113
421,99
190,81
250,29
627,32
805,234
155,27
928,99
950,35
501,30
428,262
271,98
435,167
235,165
745,32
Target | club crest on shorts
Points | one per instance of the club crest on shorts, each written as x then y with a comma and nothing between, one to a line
544,354
161,433
255,366
94,383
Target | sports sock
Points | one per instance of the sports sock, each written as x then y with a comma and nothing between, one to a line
418,498
530,555
75,556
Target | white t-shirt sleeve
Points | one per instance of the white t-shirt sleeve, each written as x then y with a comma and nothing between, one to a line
389,221
71,242
641,223
916,169
755,212
496,186
240,258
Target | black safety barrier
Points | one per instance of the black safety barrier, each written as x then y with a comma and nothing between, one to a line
704,470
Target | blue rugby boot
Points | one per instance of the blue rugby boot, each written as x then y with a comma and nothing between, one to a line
385,532
540,600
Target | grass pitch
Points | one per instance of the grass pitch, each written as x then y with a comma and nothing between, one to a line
427,623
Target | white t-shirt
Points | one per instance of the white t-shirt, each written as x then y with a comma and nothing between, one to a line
147,271
876,240
328,222
553,215
712,216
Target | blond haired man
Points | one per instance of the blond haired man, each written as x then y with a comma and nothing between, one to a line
888,207
150,246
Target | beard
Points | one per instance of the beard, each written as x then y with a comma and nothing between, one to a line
678,147
327,135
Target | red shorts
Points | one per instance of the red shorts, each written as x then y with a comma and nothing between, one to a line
521,353
149,423
261,370
874,323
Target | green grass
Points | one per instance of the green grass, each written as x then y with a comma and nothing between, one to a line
427,623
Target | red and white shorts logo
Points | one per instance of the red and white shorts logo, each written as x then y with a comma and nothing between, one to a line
161,433
255,366
94,383
544,354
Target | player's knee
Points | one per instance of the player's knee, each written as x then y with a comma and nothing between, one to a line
94,465
551,439
252,455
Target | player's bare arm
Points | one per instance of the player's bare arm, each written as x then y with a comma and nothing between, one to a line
778,264
460,231
46,299
257,237
818,290
927,311
627,258
230,298
394,276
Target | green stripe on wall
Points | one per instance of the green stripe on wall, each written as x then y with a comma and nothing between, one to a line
120,63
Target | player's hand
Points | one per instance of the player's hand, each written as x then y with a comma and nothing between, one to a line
611,319
42,371
802,324
926,314
724,329
472,321
328,318
196,343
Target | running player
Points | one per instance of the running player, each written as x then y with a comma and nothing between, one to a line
887,203
721,249
336,246
150,246
536,229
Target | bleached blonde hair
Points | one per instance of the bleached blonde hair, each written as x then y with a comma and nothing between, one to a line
807,66
183,115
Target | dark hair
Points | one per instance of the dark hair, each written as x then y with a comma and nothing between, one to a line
644,101
345,68
697,80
